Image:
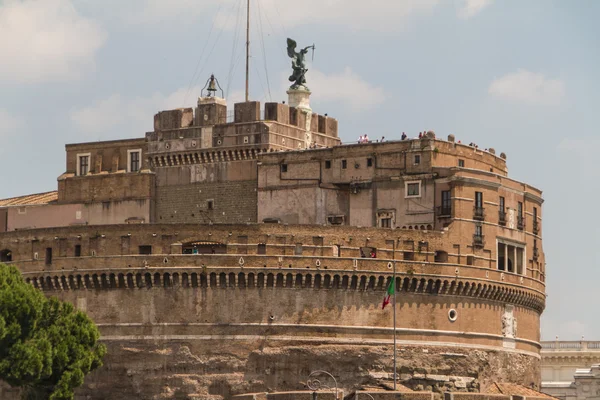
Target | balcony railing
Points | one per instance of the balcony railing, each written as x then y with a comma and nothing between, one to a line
444,212
478,213
478,240
501,217
520,222
580,345
535,227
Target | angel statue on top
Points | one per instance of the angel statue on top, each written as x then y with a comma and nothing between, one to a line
298,64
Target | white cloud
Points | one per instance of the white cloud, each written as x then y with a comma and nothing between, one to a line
470,8
528,87
118,116
43,40
345,87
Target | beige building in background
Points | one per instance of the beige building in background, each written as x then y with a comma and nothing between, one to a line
571,369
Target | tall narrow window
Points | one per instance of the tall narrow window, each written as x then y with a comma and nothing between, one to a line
501,211
134,162
344,164
446,203
48,255
478,199
83,164
520,219
77,250
478,211
535,221
417,159
461,163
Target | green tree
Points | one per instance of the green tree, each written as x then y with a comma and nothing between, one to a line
46,346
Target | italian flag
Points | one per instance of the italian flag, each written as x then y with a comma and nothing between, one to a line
388,294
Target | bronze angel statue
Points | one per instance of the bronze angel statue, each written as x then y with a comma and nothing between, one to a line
298,64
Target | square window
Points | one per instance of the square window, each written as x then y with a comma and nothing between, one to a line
344,164
413,189
417,159
369,162
386,223
461,163
327,164
283,167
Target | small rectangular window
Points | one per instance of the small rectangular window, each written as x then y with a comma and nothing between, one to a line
344,164
470,260
446,203
262,248
478,230
283,167
520,209
145,249
417,159
408,256
298,249
501,204
461,163
369,162
327,164
413,189
210,204
77,251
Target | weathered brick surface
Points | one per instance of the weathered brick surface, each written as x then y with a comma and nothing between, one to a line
233,202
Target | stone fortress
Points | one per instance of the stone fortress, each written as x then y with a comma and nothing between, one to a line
231,253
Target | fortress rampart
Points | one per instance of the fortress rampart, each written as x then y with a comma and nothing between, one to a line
221,256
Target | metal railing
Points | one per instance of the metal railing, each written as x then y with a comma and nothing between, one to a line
478,213
501,217
444,211
478,240
571,345
520,222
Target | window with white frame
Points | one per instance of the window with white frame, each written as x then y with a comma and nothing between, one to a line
412,189
83,164
134,160
511,257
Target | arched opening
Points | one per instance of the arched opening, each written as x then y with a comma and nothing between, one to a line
204,247
5,255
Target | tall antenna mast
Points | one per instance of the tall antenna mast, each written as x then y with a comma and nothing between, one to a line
247,49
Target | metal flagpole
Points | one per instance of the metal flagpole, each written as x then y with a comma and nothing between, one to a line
394,283
247,49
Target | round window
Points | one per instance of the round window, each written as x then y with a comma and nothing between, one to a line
452,315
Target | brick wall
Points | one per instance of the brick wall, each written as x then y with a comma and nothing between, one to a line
232,202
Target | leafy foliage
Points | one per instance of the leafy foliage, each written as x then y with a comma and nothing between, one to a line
46,346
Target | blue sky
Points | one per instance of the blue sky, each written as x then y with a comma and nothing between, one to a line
519,76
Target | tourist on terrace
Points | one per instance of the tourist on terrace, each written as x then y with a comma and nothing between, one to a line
403,136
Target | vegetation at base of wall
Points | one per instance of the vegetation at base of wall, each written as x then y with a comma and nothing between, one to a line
46,346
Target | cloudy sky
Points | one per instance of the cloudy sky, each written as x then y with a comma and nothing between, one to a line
519,76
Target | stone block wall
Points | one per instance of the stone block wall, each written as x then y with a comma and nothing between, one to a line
232,202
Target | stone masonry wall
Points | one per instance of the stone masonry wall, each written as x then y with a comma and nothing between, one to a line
232,202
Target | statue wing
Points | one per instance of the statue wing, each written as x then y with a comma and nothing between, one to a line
291,47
